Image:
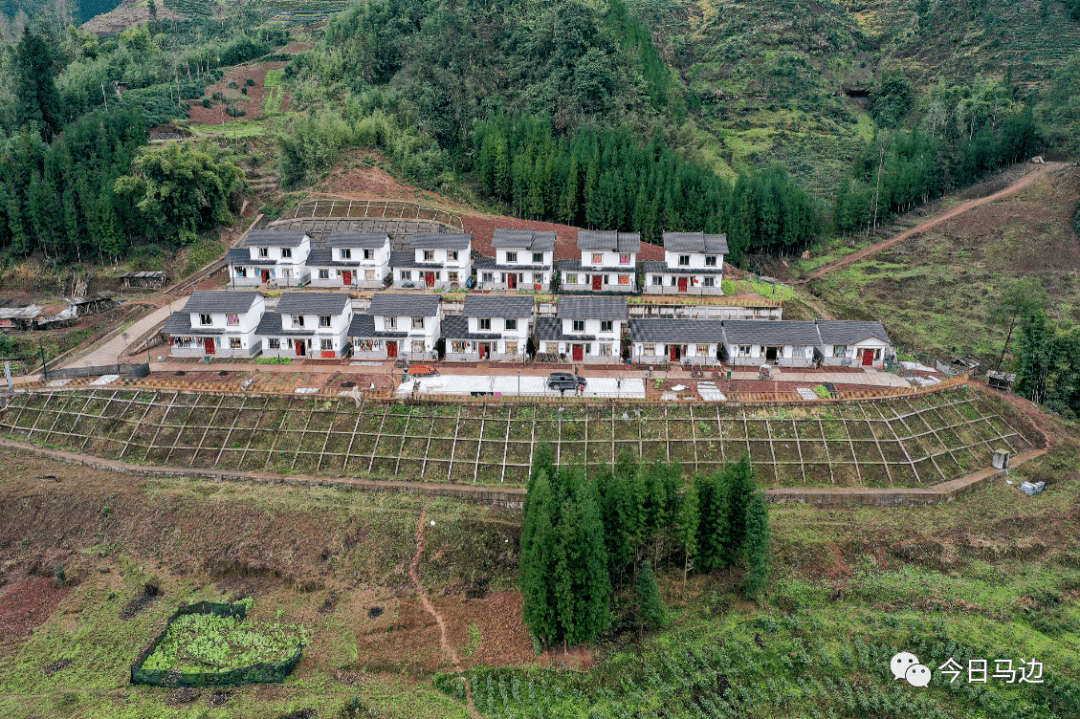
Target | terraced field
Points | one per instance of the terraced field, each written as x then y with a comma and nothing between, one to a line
907,441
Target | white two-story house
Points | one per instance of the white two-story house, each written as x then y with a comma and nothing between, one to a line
491,327
849,342
682,341
351,259
307,324
220,323
524,259
779,342
693,265
277,259
398,325
436,259
608,263
585,329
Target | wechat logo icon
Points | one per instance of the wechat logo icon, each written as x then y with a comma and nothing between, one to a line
905,665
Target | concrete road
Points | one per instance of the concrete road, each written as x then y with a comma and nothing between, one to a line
110,349
530,386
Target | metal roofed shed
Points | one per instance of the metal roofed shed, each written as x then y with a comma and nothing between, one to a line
528,239
441,241
496,306
696,242
385,304
272,238
611,241
312,303
371,240
600,308
144,280
220,301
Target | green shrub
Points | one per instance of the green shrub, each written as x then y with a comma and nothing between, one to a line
232,85
206,102
273,360
250,82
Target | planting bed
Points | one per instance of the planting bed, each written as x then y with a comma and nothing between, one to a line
905,441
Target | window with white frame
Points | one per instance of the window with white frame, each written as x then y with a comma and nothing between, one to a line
605,349
511,323
391,323
579,325
286,274
326,345
324,320
406,275
710,260
324,274
624,279
684,260
648,348
624,258
232,320
511,348
369,274
605,325
702,350
346,253
511,257
658,280
452,255
241,272
538,278
365,345
205,320
452,276
417,346
286,252
538,258
264,252
487,277
273,343
839,351
459,347
369,254
744,350
598,258
418,323
429,255
234,343
571,279
799,352
297,320
709,282
484,323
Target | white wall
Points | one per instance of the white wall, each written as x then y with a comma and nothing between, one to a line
299,254
610,259
697,260
498,326
442,257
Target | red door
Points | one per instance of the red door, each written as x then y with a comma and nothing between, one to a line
299,344
485,350
597,282
266,277
346,278
867,357
578,353
511,281
209,345
682,284
391,349
430,279
674,349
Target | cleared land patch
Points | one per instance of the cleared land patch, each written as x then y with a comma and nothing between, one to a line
906,441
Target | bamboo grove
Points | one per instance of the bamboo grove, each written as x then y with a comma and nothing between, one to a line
588,533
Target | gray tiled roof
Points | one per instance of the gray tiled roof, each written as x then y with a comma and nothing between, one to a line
407,260
237,256
592,308
312,303
325,258
695,242
497,306
357,239
456,327
849,332
676,330
611,241
271,326
271,238
364,326
441,241
550,329
388,304
179,323
771,332
528,239
220,301
661,267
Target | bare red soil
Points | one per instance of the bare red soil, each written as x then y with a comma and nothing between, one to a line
26,605
252,103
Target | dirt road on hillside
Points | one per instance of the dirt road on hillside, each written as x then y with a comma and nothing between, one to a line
1027,180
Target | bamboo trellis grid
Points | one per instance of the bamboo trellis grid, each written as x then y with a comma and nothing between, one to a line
907,441
390,210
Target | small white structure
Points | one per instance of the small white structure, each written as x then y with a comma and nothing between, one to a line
753,342
436,259
676,340
524,259
586,329
270,258
397,325
220,323
307,324
847,342
693,265
491,327
351,259
608,263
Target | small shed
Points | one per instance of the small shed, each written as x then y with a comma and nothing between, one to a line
144,280
1000,380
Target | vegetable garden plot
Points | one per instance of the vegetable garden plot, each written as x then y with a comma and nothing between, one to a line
904,441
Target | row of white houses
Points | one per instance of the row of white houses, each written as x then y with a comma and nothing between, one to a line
586,329
524,259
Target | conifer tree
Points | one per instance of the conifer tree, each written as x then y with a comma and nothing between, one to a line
651,607
537,558
740,486
687,528
756,549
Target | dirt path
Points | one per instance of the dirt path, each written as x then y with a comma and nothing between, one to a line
1027,180
430,609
